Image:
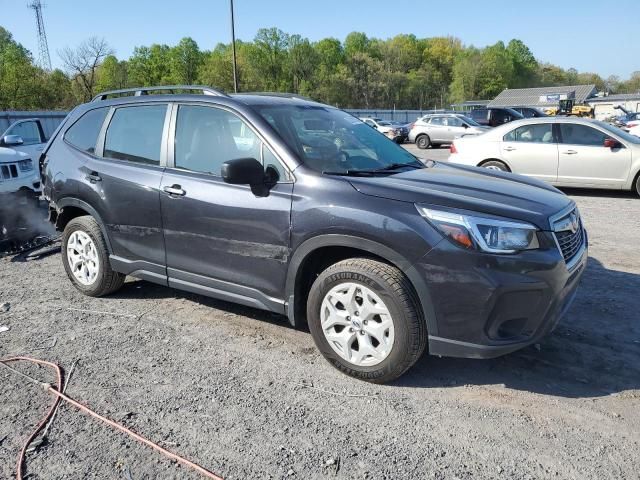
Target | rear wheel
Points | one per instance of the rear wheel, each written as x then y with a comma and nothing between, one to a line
423,142
86,258
638,184
365,319
496,165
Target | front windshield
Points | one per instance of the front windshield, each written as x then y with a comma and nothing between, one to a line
332,141
619,132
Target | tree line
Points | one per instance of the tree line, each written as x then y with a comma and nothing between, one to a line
403,72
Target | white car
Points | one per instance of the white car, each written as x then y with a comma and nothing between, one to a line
564,151
20,148
633,127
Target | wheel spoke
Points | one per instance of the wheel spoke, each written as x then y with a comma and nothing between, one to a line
357,324
82,257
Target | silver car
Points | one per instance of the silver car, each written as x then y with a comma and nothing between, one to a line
434,130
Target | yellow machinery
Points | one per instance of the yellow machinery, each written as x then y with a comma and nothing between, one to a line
569,108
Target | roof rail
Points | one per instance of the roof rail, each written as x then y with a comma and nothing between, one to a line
139,91
279,94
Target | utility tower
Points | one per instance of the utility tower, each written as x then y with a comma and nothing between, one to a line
44,60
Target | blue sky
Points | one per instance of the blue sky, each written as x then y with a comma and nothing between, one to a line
552,29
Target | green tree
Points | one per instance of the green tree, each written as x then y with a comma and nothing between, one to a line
269,56
186,60
525,65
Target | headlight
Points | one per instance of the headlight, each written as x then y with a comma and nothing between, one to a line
25,165
482,233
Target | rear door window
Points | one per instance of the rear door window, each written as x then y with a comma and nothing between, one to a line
135,134
538,133
84,133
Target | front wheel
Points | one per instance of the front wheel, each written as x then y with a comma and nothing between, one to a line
365,319
86,258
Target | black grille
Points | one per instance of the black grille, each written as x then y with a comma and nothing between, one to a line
8,171
570,242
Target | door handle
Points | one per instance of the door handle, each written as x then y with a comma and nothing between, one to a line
175,190
94,177
570,152
509,149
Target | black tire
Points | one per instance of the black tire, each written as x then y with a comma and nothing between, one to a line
638,184
107,281
423,142
397,293
496,165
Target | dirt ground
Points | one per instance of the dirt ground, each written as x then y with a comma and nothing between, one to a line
246,396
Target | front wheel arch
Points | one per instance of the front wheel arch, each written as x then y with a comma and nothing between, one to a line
296,296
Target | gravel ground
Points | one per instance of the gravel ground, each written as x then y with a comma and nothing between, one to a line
246,396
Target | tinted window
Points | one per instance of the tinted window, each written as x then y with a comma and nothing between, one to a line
437,121
135,134
575,134
538,133
28,131
500,116
478,114
207,137
84,133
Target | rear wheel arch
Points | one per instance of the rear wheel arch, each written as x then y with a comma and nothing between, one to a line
483,162
70,208
318,253
635,185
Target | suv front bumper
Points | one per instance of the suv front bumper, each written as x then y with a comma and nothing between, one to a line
487,305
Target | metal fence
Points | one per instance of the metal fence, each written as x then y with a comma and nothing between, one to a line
405,116
49,119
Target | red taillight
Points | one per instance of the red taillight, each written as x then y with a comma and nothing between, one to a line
452,148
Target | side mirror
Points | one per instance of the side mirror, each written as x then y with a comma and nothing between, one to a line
612,143
12,141
243,171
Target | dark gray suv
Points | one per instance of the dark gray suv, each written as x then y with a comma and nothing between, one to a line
299,208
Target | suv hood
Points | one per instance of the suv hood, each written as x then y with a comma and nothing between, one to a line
11,155
470,188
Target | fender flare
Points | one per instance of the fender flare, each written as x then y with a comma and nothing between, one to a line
74,202
378,249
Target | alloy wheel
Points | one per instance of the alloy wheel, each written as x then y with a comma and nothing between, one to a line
357,324
83,258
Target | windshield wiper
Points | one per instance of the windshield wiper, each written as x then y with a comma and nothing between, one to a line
374,171
396,166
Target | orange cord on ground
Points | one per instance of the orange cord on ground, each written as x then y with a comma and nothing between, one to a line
61,396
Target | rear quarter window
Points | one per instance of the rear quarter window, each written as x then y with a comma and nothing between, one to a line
83,134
